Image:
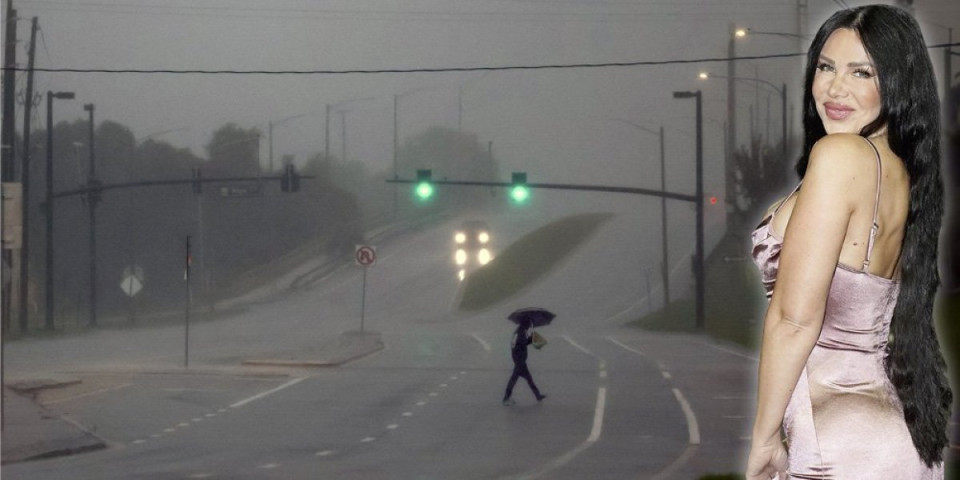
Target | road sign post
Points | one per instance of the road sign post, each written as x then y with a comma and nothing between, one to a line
365,256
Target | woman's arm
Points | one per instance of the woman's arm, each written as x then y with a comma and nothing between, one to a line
836,179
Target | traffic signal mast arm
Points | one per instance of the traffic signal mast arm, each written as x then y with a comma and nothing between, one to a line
156,183
562,186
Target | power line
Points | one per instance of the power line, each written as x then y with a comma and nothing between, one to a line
411,70
559,66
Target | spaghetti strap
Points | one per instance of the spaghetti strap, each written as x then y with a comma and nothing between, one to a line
795,189
876,205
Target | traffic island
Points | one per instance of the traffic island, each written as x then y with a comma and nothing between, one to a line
331,352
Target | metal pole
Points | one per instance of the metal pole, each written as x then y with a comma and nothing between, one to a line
25,180
700,270
947,67
396,140
49,220
92,198
270,143
343,135
663,223
363,298
49,300
326,133
731,118
186,336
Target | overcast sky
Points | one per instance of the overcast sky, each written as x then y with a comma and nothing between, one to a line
555,124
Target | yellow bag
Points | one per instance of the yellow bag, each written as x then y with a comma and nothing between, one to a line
538,340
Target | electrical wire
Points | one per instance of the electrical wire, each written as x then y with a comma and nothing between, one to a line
410,70
428,70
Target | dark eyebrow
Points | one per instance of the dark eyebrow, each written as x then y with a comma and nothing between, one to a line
851,64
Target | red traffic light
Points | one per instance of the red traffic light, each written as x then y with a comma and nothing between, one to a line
713,200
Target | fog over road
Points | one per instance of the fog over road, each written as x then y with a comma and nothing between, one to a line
622,402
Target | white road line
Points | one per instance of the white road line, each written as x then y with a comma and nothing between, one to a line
483,343
268,392
368,440
598,415
625,346
684,457
576,345
95,392
666,375
693,429
731,352
594,436
324,453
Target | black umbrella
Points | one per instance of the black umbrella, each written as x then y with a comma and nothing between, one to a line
536,317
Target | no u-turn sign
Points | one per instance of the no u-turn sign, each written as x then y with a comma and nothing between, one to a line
365,255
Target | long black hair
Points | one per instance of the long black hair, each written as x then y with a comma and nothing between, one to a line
910,111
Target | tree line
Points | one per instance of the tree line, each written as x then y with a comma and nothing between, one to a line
142,230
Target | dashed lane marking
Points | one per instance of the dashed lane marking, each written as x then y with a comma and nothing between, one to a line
268,392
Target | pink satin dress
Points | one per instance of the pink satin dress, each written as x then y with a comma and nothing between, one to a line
845,420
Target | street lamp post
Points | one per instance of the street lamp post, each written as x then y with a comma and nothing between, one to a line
782,90
92,198
665,265
49,223
698,256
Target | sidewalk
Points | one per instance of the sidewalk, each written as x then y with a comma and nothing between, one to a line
31,432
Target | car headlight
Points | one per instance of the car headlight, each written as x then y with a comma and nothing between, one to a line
483,256
460,257
483,237
460,237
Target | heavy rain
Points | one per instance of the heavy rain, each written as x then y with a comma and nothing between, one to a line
283,239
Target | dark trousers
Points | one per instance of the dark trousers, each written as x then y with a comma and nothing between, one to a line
520,370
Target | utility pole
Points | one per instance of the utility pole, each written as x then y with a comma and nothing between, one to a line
8,133
25,180
396,147
731,118
49,324
663,223
93,197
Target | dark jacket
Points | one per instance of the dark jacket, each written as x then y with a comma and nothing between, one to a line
518,346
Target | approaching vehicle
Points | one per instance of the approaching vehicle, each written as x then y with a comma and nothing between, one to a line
471,246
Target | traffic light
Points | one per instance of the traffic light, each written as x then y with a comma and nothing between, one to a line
519,192
290,181
197,184
424,188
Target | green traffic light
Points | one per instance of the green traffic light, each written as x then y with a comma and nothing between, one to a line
424,190
520,194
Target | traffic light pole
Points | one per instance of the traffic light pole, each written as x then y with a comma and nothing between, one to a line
696,198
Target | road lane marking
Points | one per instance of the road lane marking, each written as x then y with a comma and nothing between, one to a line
727,350
268,392
368,439
693,429
95,392
324,453
625,346
598,415
392,426
483,343
576,345
268,466
666,375
669,471
594,436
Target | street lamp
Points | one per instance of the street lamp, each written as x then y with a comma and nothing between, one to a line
698,256
326,132
782,90
49,230
93,196
665,270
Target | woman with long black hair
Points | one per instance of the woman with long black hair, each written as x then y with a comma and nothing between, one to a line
850,366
